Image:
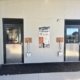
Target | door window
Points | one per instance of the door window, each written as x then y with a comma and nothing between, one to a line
72,35
13,35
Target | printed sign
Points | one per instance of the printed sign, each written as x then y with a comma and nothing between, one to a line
44,37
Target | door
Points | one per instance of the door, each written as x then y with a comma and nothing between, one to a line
72,42
13,41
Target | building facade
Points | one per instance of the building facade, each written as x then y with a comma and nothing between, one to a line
28,17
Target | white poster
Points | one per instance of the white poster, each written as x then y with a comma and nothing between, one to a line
44,37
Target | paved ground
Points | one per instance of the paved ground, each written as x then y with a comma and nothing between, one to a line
43,76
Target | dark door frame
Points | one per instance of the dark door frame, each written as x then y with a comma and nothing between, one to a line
70,22
13,21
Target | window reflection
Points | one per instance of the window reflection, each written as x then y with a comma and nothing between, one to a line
13,35
72,35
